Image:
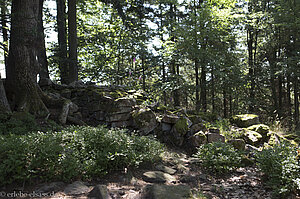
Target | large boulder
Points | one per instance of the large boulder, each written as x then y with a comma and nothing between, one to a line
144,120
245,120
161,191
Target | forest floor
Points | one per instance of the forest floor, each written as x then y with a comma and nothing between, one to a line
244,183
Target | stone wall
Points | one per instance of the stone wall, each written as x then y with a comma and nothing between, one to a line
118,107
112,106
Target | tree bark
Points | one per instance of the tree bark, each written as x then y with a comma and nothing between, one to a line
4,106
4,30
296,102
197,85
62,40
225,104
280,97
213,95
251,67
203,89
42,57
23,64
72,27
289,100
271,58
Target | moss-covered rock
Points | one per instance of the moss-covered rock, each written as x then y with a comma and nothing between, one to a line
238,144
274,139
277,139
262,129
198,139
170,119
245,120
252,137
178,132
215,137
144,120
182,126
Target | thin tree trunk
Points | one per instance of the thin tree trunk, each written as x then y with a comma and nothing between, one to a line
230,105
271,58
289,100
225,105
251,68
213,90
296,103
62,40
72,19
280,97
203,89
143,71
197,85
4,30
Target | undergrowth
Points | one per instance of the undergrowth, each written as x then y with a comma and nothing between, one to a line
73,153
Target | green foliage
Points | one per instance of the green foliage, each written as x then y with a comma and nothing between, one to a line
75,152
223,125
17,123
280,164
20,123
219,157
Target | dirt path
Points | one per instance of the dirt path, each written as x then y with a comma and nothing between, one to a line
244,183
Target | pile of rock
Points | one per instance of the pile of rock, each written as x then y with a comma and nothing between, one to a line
118,107
97,104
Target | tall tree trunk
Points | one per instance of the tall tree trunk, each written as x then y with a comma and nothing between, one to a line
203,89
72,19
289,100
23,67
197,85
213,90
251,67
225,104
280,96
62,40
4,30
143,72
162,56
271,58
296,102
230,104
42,57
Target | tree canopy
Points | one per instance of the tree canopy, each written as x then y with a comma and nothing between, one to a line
219,56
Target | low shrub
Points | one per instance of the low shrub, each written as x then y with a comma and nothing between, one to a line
75,152
219,157
280,165
17,123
